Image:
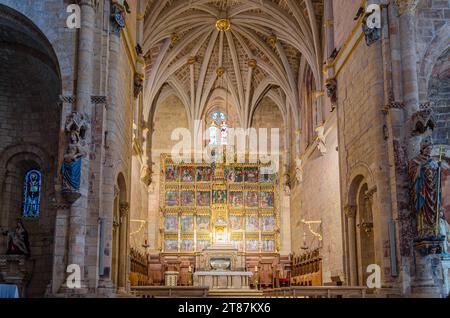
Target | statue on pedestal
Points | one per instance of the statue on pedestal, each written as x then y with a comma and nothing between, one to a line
299,170
18,242
425,178
76,127
321,140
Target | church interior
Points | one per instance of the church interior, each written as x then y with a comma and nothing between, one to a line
225,148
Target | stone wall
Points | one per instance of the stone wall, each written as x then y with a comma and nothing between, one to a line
170,114
344,11
30,85
138,207
363,153
317,198
267,115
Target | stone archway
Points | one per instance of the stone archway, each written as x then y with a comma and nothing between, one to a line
30,86
120,236
359,233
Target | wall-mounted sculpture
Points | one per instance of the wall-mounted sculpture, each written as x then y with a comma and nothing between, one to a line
425,180
331,85
321,140
118,13
299,170
76,127
18,241
146,175
138,84
423,119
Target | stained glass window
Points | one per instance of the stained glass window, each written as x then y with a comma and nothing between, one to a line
32,194
218,131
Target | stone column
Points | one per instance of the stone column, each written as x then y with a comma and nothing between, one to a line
123,246
112,140
406,11
426,262
352,272
78,210
329,36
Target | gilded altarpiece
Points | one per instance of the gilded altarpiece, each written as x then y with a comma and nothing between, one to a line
206,203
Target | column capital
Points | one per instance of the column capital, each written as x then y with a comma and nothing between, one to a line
350,211
406,6
369,194
124,209
91,3
423,119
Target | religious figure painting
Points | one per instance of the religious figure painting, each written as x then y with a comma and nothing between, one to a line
268,245
219,196
251,175
187,198
202,244
171,245
267,199
251,199
236,223
252,223
187,245
203,223
204,174
235,174
236,198
252,245
237,244
187,174
203,198
172,173
265,176
171,223
172,198
267,223
187,223
230,174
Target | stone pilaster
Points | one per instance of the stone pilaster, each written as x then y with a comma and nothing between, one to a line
78,211
406,11
350,214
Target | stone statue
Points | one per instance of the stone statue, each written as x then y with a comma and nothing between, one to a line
17,240
321,140
299,169
76,127
287,183
71,168
424,174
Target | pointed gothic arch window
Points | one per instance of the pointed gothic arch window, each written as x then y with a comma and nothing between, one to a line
32,194
218,130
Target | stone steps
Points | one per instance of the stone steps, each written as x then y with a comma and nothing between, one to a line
235,293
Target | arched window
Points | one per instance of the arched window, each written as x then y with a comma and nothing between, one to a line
32,194
218,131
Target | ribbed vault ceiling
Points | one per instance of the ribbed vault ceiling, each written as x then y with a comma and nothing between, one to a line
176,31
